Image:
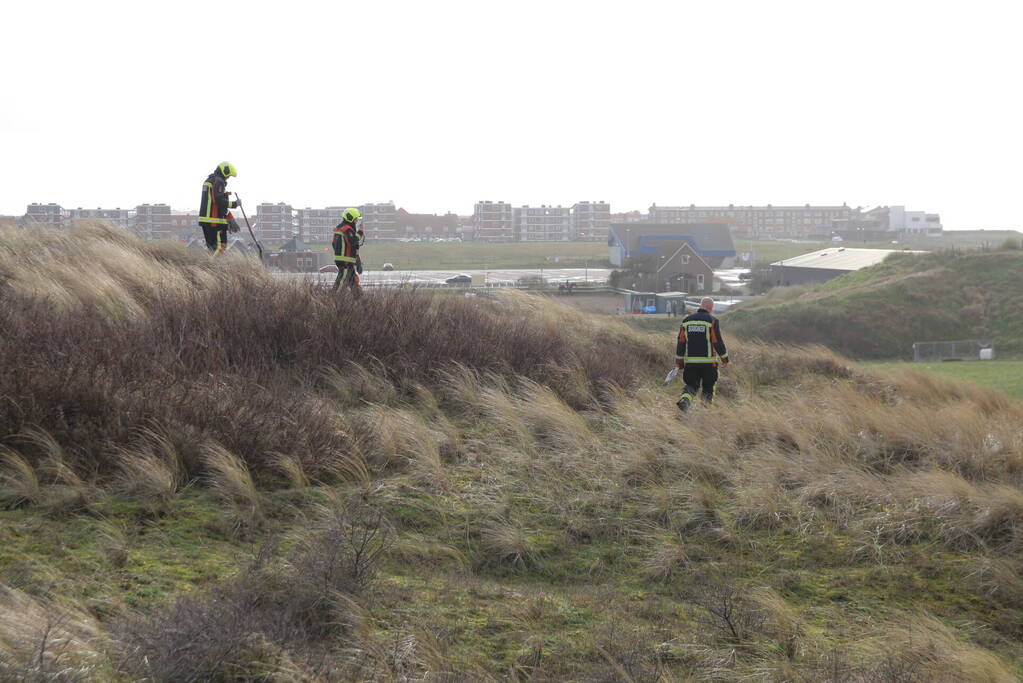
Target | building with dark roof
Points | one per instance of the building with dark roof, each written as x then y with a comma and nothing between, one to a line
633,244
426,225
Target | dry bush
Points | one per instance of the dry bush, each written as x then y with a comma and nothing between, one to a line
998,578
19,484
506,544
499,407
395,437
724,607
276,619
291,468
667,558
783,621
113,539
343,545
228,476
150,473
44,641
552,421
62,490
932,651
357,384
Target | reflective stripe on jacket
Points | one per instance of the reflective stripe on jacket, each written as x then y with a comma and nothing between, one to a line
699,339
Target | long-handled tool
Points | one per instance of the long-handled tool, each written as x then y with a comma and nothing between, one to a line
259,247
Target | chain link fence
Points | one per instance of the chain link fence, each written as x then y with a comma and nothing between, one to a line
964,349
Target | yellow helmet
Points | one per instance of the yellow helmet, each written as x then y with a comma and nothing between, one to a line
227,169
352,215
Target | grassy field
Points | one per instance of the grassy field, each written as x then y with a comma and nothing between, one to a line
479,255
1004,375
415,486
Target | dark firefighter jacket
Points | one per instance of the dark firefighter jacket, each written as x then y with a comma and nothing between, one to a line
699,339
214,205
346,244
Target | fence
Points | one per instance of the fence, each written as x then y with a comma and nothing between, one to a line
964,349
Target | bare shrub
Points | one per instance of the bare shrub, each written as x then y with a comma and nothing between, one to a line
346,541
722,606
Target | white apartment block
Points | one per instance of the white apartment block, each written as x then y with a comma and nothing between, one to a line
379,221
542,224
590,221
51,215
275,222
317,225
153,222
493,221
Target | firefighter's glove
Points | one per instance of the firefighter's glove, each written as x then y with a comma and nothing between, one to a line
358,265
237,202
724,362
362,236
681,363
232,225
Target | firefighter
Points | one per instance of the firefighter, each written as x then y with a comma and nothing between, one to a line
348,237
698,352
215,217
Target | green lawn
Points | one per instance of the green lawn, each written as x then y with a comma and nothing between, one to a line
481,255
1006,375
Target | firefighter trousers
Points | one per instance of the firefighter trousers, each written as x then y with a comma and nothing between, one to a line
700,375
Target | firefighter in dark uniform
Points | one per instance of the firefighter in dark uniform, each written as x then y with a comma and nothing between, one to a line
214,208
699,350
348,237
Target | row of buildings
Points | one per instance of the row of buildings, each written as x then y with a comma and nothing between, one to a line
499,221
489,222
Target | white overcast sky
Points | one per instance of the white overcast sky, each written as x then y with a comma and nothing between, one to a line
435,105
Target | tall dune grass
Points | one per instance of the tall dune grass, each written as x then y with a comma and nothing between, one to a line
510,437
104,334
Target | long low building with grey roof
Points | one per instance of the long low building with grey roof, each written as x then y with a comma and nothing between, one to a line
827,264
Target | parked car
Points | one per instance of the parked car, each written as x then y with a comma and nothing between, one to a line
387,266
329,268
461,279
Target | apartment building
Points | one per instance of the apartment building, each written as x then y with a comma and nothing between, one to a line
51,215
760,221
153,222
274,222
122,218
184,225
542,224
380,221
590,221
493,221
317,225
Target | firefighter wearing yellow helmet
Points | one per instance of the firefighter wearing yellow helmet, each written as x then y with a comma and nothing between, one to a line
348,237
215,217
